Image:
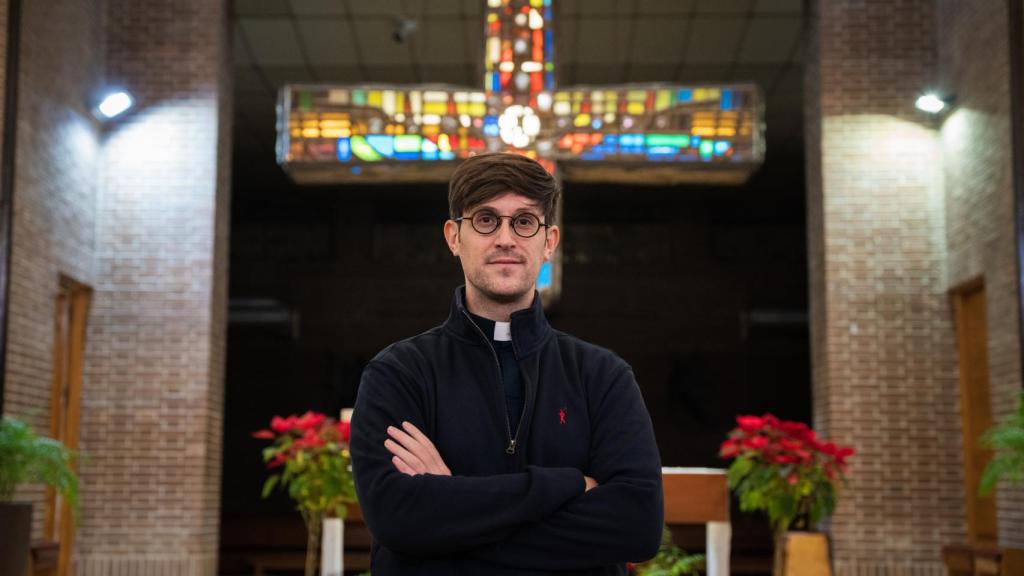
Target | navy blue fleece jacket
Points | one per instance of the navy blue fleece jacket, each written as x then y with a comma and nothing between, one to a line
515,504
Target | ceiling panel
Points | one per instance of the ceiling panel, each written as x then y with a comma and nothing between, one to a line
340,74
592,8
377,47
724,6
659,40
763,75
594,74
318,7
444,42
652,73
280,75
713,40
779,6
455,75
701,73
676,7
596,40
243,8
272,41
392,74
445,7
327,41
770,40
382,8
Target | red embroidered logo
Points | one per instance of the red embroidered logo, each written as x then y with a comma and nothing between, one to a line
561,415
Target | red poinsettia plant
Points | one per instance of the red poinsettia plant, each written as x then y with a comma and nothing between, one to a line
784,469
310,456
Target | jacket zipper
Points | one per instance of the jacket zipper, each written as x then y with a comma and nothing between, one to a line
511,449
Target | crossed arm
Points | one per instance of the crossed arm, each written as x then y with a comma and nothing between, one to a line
414,454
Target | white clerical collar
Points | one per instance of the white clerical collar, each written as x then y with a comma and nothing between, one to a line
502,331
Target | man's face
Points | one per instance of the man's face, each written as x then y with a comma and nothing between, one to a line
502,266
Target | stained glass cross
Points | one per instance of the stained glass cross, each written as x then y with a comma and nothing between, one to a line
634,133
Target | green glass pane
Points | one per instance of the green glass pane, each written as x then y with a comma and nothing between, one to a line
678,140
362,149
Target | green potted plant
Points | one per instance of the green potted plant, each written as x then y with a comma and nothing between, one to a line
311,457
26,458
671,560
1006,440
783,469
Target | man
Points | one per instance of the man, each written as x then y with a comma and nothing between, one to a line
494,444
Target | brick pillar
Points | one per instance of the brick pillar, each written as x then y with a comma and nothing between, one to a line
883,341
153,410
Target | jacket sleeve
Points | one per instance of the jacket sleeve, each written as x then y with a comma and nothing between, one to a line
618,521
431,515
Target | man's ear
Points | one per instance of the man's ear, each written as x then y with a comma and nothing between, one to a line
451,235
551,241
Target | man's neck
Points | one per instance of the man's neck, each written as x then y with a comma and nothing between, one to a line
497,311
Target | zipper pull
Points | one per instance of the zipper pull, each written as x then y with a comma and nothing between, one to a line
511,448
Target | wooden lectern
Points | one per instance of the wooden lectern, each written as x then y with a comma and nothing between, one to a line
701,496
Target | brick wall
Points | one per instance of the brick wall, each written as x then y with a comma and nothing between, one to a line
903,207
974,64
138,210
55,190
885,374
155,359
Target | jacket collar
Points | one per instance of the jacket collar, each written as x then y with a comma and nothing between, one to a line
530,327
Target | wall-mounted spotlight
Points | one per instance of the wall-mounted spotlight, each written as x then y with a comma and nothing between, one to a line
113,104
933,103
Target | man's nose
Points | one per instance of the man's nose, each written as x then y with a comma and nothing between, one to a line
505,236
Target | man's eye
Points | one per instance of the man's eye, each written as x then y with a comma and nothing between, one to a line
524,221
485,218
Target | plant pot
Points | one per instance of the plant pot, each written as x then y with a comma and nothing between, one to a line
15,536
332,551
802,554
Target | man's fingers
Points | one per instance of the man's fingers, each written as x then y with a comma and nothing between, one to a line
408,457
431,450
410,443
421,452
402,466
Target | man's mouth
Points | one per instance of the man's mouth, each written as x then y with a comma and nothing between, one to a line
505,261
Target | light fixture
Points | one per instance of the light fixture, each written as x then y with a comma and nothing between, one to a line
114,104
932,103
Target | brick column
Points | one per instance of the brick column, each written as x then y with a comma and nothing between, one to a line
883,341
153,411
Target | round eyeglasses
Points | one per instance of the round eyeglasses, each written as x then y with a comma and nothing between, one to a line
524,224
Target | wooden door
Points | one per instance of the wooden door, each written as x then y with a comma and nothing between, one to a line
71,307
975,406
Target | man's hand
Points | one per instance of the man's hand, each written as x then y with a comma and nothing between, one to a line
591,483
414,452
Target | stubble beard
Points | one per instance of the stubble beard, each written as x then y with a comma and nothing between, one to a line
499,292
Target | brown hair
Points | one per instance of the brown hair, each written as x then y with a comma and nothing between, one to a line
485,176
